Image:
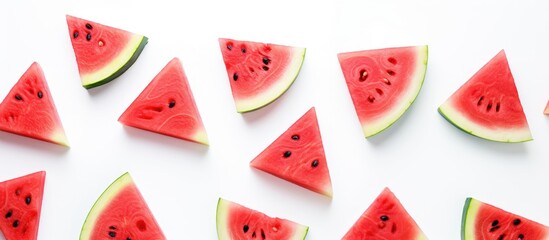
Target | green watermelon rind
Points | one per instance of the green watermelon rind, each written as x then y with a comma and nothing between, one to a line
280,87
497,135
470,210
118,66
102,202
221,223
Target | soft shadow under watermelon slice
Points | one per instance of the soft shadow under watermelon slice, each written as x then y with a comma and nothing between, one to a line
236,222
21,205
167,106
386,218
482,221
29,110
488,105
298,156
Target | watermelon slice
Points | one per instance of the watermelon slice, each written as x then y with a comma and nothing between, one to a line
102,52
488,105
236,222
298,156
386,218
21,205
259,73
121,213
383,83
483,221
29,110
167,106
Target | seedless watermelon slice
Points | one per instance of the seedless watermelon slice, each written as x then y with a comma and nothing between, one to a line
298,156
167,106
236,222
29,110
482,221
102,52
21,205
121,213
259,73
488,105
383,83
386,218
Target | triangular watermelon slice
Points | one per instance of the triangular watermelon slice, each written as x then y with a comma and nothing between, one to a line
488,105
167,106
259,73
482,221
386,218
383,83
29,110
121,213
21,205
298,156
102,52
235,222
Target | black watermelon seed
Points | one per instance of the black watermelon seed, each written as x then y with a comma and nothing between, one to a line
235,76
495,223
15,223
287,154
89,36
75,34
230,47
295,137
243,50
253,235
28,200
172,104
265,68
89,26
363,75
18,97
9,214
112,227
314,163
128,238
521,236
112,234
262,234
246,228
384,218
40,94
391,72
516,222
266,61
501,237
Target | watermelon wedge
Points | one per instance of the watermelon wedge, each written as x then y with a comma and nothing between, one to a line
121,213
167,106
259,73
482,221
383,83
236,222
21,205
298,156
28,109
386,218
488,105
102,52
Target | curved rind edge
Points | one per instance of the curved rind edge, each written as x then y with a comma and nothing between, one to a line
221,219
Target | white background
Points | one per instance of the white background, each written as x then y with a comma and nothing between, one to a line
429,164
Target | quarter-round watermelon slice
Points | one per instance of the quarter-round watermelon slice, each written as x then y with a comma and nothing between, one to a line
259,73
102,52
21,205
482,221
298,156
386,218
29,110
236,222
167,106
488,105
121,213
383,83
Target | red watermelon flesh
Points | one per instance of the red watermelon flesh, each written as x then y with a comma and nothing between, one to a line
386,218
236,222
29,110
383,83
298,156
482,221
259,73
488,105
167,106
21,205
102,52
121,213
